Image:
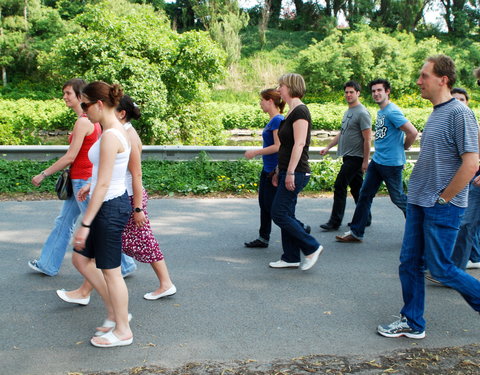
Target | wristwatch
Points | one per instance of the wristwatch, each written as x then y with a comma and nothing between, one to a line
441,201
138,209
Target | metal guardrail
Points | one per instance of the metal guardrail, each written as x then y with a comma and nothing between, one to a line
170,153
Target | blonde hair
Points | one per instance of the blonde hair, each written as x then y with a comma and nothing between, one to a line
295,83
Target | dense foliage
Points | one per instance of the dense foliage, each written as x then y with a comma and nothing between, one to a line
165,72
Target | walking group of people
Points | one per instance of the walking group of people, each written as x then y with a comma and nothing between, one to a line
441,208
105,166
104,157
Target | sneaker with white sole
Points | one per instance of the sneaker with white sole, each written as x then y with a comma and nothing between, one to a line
282,264
473,265
399,328
33,264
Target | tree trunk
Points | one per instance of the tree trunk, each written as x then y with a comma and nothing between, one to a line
4,76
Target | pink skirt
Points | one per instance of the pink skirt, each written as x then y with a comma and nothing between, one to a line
140,243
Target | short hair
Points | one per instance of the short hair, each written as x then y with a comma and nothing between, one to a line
273,94
353,84
459,90
77,85
443,65
380,81
295,83
131,109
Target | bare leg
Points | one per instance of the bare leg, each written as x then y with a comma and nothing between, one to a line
118,292
81,292
86,266
161,271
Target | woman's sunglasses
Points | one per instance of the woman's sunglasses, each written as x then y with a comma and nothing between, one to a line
86,106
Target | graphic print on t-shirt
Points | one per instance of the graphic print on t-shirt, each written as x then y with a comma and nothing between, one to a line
380,128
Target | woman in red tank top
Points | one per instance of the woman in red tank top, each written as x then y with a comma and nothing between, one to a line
83,136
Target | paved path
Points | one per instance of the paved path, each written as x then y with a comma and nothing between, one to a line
229,304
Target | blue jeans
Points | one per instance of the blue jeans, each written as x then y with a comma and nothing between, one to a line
294,237
266,194
430,234
376,174
55,247
466,246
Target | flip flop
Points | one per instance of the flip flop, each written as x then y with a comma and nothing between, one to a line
112,341
110,324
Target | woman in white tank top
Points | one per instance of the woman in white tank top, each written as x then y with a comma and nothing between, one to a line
97,242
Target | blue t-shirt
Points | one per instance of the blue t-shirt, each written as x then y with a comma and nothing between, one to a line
450,131
270,161
389,138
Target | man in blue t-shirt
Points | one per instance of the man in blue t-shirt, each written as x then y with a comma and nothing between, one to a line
437,197
393,135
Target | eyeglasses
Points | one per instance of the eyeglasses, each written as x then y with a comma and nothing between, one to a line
86,106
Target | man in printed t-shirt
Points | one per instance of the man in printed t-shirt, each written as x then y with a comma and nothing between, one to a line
393,135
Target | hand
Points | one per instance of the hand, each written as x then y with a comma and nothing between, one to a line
139,218
250,154
476,181
290,182
37,180
80,237
82,194
324,151
275,179
364,166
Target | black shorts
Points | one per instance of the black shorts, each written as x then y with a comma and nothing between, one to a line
104,242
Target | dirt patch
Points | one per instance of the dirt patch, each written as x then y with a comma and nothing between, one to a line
445,361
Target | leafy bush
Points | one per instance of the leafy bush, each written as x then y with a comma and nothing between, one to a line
199,176
133,45
22,120
363,55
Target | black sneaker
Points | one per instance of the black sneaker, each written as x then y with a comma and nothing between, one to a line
329,226
256,243
399,328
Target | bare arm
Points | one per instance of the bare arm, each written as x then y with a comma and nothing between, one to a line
300,129
367,144
463,176
249,154
135,168
82,128
332,143
410,134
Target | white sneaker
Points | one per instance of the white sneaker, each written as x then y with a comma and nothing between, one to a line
310,262
473,265
282,264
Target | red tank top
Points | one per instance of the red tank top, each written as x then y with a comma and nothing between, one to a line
81,167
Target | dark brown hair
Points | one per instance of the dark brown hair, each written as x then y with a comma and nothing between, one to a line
443,65
108,94
131,109
274,95
77,85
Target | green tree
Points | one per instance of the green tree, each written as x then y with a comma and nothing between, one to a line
400,14
223,19
166,73
363,55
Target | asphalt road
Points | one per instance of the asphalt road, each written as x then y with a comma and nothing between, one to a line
229,305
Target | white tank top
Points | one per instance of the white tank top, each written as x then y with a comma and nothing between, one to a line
117,183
